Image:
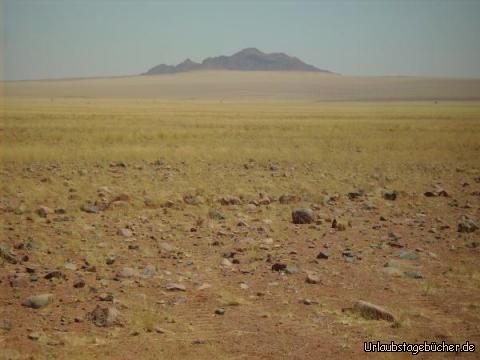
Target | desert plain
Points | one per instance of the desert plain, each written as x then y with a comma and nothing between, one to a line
238,216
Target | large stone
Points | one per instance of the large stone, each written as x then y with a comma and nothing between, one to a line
302,216
125,273
38,301
371,311
175,287
466,225
105,316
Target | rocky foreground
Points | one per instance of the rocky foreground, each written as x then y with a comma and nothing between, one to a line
108,270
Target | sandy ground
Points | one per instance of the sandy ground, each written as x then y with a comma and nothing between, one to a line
258,86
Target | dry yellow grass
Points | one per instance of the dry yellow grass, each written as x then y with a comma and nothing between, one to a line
347,137
338,134
337,146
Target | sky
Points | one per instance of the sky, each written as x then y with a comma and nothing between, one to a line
42,39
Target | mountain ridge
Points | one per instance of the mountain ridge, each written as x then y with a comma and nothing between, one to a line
248,59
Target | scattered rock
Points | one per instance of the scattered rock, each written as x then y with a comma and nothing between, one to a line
407,255
166,247
110,260
105,316
80,283
279,267
148,271
466,225
204,286
220,311
368,206
340,225
159,330
302,216
20,210
389,194
267,241
133,246
392,271
6,325
6,254
55,274
371,312
123,197
287,199
414,274
230,200
355,194
175,287
242,223
349,256
119,164
312,278
17,280
264,199
44,211
38,301
70,266
436,192
226,263
323,255
90,209
394,236
105,297
125,273
290,269
127,233
215,214
34,336
192,199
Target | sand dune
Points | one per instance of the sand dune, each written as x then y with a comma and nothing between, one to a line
238,85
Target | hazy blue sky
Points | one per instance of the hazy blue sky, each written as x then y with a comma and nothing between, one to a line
52,39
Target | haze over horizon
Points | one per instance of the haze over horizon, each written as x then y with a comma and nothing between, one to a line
50,39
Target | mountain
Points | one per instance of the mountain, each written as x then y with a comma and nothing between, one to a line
250,59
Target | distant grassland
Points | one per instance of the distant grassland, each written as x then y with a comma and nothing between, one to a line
317,146
337,134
